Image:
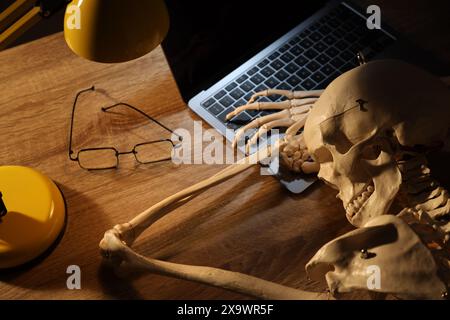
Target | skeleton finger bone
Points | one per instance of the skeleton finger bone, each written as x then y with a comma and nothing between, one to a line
257,123
286,93
287,104
295,120
293,116
265,128
295,128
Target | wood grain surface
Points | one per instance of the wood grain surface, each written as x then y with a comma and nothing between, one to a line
249,224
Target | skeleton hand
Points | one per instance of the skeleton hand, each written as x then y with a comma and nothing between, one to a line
295,110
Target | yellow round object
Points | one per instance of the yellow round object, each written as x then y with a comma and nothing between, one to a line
35,215
114,31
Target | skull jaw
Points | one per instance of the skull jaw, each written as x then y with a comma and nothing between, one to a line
386,180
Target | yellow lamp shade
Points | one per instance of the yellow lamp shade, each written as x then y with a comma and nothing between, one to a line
113,31
35,215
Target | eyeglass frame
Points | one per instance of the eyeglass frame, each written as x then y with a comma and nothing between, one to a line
117,153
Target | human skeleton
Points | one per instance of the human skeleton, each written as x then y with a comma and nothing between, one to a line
367,135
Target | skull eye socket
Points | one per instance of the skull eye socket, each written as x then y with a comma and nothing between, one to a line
371,152
323,155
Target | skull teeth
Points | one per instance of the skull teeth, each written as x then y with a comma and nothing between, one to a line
354,206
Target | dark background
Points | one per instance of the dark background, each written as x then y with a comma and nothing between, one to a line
436,12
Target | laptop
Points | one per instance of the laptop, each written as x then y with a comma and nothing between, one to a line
222,52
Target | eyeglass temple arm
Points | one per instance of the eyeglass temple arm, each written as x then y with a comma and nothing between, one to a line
71,120
144,114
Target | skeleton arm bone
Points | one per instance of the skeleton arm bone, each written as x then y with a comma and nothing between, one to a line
229,280
131,230
115,247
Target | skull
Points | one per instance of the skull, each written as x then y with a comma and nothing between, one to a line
362,121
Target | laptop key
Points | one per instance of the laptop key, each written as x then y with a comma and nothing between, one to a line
324,30
306,32
277,64
271,82
222,116
252,71
341,45
303,73
241,118
306,43
332,52
284,48
208,103
287,57
239,103
291,67
226,101
247,86
327,69
253,113
318,76
311,53
236,93
282,75
330,40
333,23
337,62
313,66
284,86
308,84
261,87
315,36
323,58
274,55
220,94
242,78
293,42
338,33
274,97
248,96
296,50
293,81
231,86
215,109
301,61
257,79
263,63
320,46
267,71
350,37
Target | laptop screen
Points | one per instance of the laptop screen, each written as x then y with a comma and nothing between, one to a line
208,39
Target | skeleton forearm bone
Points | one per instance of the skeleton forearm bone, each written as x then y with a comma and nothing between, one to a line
131,230
234,281
115,247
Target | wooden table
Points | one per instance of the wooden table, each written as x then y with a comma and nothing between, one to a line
249,224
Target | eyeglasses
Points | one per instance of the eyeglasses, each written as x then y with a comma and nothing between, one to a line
103,158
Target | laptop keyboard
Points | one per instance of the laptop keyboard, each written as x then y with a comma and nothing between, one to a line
310,60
